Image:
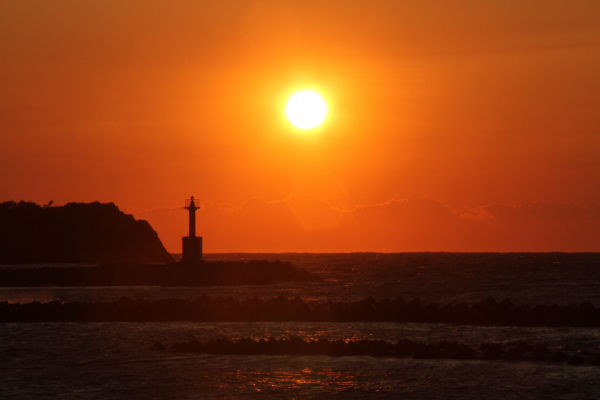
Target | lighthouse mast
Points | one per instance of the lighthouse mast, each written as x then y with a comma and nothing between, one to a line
191,244
192,209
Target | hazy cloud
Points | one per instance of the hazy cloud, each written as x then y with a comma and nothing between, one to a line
413,224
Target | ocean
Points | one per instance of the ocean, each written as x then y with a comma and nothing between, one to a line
116,360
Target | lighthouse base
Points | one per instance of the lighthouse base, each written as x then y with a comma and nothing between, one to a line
192,249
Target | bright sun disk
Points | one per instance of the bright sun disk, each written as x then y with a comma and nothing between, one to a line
306,109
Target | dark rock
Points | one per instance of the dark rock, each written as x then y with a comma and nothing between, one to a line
158,346
75,233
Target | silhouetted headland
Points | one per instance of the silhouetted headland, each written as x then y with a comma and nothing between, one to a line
75,233
120,249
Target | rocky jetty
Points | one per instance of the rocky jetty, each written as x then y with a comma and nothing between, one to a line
487,312
403,348
207,273
75,233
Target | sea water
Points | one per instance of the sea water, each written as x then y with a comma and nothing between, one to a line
115,360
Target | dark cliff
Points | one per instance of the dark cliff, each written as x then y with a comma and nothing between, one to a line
75,233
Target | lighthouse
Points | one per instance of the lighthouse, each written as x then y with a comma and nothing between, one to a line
191,244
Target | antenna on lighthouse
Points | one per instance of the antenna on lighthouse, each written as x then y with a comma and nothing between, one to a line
191,206
191,244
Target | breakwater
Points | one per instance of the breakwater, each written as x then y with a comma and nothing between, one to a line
204,308
256,272
513,351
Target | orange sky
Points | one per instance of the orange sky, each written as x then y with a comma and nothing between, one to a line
470,125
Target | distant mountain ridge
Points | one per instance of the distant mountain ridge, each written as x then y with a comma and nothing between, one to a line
75,233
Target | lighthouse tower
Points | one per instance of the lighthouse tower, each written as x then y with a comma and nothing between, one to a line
192,244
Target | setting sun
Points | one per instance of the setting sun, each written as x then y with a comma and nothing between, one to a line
306,109
315,198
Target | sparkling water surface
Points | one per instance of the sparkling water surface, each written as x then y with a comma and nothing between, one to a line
115,360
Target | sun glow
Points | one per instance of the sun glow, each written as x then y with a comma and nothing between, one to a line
306,109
